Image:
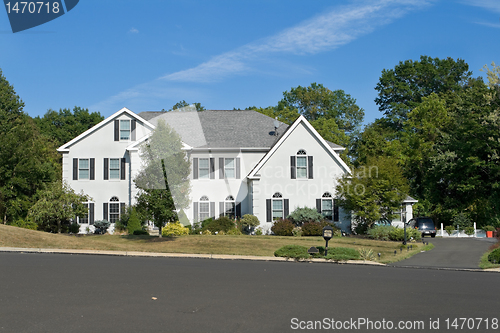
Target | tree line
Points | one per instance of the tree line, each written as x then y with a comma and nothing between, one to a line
438,140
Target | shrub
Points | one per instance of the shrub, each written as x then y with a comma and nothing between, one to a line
195,229
141,232
380,232
133,222
366,254
223,223
397,234
206,232
174,229
316,228
462,220
292,251
488,228
470,231
449,229
282,227
494,256
74,228
101,226
342,253
25,224
302,215
234,231
258,232
249,221
297,231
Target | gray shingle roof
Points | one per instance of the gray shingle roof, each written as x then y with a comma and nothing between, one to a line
222,129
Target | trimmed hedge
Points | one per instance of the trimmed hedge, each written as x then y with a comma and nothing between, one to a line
174,229
342,253
282,227
383,232
223,223
292,251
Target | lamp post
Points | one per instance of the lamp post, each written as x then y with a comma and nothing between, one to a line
327,235
404,240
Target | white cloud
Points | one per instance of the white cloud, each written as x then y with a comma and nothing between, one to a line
491,5
133,31
489,24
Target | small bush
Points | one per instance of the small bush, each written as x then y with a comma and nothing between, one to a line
133,222
366,254
141,232
292,251
282,227
101,226
470,231
488,228
234,231
249,221
25,224
174,229
223,223
397,234
74,228
297,231
302,215
380,232
206,232
342,254
462,220
258,232
449,229
494,256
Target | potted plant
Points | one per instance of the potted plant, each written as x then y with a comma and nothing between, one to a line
489,231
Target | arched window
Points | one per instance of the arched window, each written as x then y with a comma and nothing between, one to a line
301,164
114,209
301,152
327,206
204,208
277,206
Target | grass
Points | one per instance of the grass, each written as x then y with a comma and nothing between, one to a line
484,263
11,236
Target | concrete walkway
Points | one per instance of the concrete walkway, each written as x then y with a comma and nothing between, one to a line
454,253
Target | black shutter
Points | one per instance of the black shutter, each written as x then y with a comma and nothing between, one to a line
117,130
238,168
195,168
335,210
310,167
292,167
92,169
75,169
91,213
212,168
318,205
221,168
106,168
122,208
286,210
105,211
212,209
122,169
269,212
238,210
195,212
221,209
132,128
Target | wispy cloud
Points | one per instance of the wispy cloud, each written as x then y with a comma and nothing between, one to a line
489,24
491,5
133,31
324,32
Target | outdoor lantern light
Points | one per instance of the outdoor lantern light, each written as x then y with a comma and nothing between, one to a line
400,250
327,235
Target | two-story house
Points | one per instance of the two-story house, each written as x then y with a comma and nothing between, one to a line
242,162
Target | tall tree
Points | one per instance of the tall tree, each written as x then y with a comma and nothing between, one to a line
401,89
183,104
66,125
164,179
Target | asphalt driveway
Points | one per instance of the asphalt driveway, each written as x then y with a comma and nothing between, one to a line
450,253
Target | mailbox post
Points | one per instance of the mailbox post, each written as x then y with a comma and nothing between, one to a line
327,235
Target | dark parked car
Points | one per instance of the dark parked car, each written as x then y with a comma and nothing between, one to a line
425,225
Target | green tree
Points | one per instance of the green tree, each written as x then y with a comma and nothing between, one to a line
164,180
493,74
11,106
183,103
375,191
65,125
57,206
401,89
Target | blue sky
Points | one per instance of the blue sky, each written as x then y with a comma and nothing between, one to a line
148,55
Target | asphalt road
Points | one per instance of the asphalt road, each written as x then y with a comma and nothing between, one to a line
85,293
451,253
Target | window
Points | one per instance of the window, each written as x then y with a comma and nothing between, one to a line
301,165
277,206
204,208
327,206
84,219
114,168
229,207
114,210
229,168
124,129
204,168
83,168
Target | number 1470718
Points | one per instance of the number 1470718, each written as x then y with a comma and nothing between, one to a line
472,323
38,7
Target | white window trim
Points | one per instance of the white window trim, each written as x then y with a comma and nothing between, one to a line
200,168
230,200
80,168
233,168
129,129
277,197
119,169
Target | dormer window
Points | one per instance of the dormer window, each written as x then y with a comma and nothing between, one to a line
125,130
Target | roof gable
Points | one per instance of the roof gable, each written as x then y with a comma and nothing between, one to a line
67,145
301,120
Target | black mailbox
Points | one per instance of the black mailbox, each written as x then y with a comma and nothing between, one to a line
327,235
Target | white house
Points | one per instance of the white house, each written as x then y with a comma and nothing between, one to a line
242,162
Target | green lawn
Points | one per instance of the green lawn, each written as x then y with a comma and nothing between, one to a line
239,245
